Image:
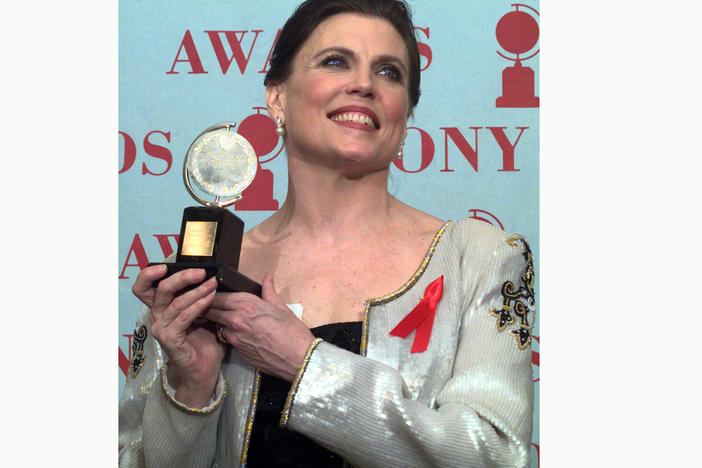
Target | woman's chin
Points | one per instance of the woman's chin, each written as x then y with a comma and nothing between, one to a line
357,167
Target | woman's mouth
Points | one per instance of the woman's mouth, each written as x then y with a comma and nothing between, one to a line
362,118
354,117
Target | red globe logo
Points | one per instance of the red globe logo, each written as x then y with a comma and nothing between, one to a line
259,129
517,32
486,217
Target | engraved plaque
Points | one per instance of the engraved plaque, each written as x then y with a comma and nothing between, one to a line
199,238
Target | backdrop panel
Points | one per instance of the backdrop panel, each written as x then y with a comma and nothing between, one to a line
471,148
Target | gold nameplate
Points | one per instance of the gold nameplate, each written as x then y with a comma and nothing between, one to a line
199,238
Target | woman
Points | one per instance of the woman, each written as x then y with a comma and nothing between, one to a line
453,388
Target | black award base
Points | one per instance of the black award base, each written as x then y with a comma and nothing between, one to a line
210,238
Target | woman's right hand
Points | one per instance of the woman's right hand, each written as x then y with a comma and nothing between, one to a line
194,352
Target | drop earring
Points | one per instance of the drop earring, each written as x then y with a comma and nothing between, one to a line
279,129
399,152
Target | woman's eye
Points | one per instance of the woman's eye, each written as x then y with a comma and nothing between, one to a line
391,72
334,61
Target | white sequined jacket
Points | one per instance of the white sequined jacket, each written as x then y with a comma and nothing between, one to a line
465,401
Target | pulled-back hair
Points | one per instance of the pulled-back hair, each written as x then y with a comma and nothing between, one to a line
312,12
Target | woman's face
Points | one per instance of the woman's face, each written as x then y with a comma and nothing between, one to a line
346,98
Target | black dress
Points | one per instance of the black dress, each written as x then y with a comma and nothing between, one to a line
270,445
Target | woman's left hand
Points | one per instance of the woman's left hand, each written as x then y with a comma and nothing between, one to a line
264,331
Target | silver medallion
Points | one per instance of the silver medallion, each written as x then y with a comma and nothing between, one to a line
220,162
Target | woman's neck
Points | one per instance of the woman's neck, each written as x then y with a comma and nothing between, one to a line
325,201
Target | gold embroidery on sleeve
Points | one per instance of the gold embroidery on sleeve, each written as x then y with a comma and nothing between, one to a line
296,383
138,356
184,408
517,302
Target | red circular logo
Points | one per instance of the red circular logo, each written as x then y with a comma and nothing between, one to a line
259,130
517,32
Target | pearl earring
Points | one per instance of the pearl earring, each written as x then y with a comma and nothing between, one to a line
279,129
399,152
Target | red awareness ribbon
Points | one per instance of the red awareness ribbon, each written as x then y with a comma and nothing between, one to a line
421,317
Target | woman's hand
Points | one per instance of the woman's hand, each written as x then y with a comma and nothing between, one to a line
263,330
194,353
143,287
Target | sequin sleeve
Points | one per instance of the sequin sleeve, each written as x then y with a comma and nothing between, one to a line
154,429
466,401
146,359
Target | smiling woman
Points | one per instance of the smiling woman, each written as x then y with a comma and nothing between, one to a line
389,338
349,72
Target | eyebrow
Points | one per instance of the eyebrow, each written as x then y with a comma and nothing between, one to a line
349,52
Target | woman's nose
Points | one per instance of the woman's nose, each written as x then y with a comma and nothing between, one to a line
362,84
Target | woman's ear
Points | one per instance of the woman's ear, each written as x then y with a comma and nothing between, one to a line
275,100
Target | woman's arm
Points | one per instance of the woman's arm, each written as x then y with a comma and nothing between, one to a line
361,409
153,426
156,429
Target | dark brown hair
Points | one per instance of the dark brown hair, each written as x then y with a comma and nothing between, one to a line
312,12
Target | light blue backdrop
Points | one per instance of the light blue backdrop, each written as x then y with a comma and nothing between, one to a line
163,106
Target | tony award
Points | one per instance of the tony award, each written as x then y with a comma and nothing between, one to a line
220,163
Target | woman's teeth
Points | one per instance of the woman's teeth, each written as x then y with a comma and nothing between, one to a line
354,117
